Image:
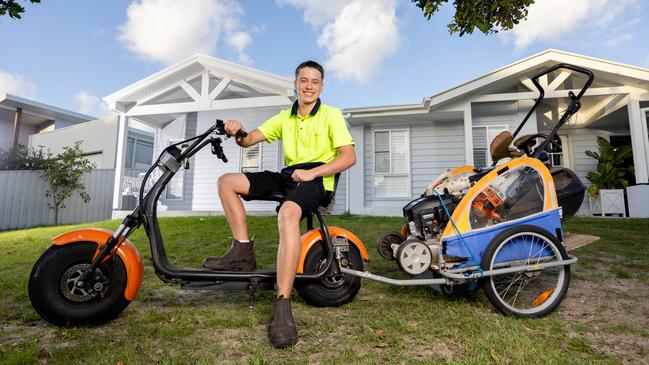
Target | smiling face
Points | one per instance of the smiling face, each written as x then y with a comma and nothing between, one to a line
308,84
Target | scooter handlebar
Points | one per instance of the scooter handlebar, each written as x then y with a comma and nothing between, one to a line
220,129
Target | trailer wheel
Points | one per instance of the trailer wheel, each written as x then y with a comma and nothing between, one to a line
526,293
54,295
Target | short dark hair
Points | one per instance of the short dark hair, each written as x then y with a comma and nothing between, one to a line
312,64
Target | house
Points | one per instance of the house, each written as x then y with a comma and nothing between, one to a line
406,146
21,118
400,148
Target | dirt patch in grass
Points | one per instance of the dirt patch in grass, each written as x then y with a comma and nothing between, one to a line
610,312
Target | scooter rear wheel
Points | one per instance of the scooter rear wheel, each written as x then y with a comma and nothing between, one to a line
330,291
58,300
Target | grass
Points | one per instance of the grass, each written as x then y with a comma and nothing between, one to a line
384,324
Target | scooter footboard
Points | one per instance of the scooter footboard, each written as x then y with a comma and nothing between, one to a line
126,251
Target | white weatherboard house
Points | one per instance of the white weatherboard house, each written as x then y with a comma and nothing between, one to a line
400,148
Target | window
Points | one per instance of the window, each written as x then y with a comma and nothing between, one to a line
391,165
251,158
175,187
482,137
139,153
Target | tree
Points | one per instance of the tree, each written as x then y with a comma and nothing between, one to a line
489,16
23,158
14,9
63,174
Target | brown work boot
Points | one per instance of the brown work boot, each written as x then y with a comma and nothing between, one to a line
282,332
240,257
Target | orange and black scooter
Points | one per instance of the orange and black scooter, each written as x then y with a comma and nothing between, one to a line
89,276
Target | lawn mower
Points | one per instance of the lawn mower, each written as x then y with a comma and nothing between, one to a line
497,227
88,276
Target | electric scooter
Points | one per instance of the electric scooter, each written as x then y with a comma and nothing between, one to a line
89,276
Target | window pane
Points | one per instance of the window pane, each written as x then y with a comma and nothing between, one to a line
382,141
143,153
382,162
399,148
479,157
390,186
130,144
479,137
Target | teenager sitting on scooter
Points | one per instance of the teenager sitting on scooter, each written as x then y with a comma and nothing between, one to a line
310,132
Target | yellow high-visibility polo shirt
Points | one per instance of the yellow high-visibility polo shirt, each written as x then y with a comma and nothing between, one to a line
313,138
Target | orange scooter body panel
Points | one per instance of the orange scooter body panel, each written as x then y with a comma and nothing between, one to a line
311,237
126,251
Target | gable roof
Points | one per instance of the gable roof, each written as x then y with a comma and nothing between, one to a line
193,66
633,76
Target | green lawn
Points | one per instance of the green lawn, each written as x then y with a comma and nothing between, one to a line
602,320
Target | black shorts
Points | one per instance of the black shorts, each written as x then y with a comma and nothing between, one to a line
309,195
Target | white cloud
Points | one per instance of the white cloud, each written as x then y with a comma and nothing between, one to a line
91,105
317,12
238,41
358,35
550,20
17,85
618,40
169,30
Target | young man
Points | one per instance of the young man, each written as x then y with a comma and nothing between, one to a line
310,132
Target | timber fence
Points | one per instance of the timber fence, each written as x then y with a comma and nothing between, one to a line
23,202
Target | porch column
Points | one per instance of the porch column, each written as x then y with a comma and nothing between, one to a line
468,135
639,143
18,119
122,128
356,174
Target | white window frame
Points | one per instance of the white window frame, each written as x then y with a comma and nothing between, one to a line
487,127
180,174
259,161
407,174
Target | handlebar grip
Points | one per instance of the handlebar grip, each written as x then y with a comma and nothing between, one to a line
241,134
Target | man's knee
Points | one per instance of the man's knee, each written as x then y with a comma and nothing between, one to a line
232,181
289,214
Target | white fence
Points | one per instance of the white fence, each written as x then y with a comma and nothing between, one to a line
23,202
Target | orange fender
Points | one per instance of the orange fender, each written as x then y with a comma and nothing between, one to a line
126,251
311,237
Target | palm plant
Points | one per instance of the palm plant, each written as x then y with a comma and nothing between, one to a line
610,167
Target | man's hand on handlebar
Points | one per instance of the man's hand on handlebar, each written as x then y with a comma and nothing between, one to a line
235,128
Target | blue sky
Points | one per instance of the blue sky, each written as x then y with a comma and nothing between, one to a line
376,52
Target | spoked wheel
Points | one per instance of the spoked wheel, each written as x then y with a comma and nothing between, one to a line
56,297
330,291
384,244
529,293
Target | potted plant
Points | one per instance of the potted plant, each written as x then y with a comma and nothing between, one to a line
606,192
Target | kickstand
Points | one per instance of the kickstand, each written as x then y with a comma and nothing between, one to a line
252,287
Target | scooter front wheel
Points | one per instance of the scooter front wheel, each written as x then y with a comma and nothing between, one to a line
56,297
330,291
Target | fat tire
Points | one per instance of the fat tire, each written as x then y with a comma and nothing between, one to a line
316,293
486,282
48,300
